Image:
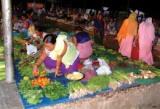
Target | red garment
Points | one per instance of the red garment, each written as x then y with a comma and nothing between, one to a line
135,50
26,24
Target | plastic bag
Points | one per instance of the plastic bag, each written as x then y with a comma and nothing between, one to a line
31,49
104,68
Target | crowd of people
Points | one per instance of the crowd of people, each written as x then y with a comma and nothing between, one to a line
62,53
101,20
105,22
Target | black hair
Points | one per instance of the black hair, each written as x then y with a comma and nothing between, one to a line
78,28
50,38
39,27
24,15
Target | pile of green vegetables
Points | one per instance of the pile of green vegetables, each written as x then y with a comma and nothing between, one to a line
34,95
55,90
26,71
98,83
75,85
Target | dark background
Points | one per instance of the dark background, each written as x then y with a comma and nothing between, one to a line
150,7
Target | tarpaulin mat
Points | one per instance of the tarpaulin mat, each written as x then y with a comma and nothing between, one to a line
46,101
147,81
126,86
127,69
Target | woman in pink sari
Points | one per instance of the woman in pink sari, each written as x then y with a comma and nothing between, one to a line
126,35
146,37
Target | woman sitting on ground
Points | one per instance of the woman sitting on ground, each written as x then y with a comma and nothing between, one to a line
83,43
58,55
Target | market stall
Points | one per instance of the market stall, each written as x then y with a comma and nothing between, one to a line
69,25
104,72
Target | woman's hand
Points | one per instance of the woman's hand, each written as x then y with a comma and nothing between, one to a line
58,72
38,62
35,70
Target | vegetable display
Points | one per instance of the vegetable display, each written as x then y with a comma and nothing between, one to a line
24,85
33,89
26,71
40,81
77,89
33,96
97,83
113,83
145,74
121,77
55,90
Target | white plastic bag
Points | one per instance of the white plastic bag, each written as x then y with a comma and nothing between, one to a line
31,49
104,68
87,62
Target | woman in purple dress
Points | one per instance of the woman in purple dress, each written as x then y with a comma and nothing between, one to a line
58,55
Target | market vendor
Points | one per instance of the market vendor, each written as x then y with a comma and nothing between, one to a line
58,55
127,34
146,38
83,43
36,35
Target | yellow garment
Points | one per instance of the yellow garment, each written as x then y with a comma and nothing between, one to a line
71,53
128,28
31,30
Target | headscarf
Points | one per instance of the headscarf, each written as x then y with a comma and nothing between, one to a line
71,53
147,30
128,28
132,16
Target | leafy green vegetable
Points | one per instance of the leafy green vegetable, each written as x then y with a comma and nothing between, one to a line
24,86
55,90
97,83
113,83
75,85
33,96
26,71
156,71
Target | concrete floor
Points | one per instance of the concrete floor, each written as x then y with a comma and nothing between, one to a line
9,98
143,97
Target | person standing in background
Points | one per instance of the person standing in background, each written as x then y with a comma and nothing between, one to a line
146,37
99,25
126,35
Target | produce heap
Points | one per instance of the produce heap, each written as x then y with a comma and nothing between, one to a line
2,62
124,71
